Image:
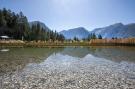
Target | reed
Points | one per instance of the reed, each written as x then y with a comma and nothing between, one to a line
113,42
93,42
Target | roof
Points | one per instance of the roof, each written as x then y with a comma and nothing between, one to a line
5,37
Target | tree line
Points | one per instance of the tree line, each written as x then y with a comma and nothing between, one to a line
90,36
16,26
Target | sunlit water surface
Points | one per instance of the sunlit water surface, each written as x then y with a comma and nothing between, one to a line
68,68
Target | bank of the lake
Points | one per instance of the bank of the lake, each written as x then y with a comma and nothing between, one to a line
42,44
93,42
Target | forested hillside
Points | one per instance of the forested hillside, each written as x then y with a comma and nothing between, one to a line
16,26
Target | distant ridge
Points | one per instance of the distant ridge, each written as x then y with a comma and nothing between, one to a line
118,30
79,32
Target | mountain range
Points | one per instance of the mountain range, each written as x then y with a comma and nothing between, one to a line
79,32
118,30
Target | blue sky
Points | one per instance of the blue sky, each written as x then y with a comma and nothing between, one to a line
65,14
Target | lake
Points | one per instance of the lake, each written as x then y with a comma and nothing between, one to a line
67,68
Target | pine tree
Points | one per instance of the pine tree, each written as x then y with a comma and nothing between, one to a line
2,20
17,26
99,36
94,36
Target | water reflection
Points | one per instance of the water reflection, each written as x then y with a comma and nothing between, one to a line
23,56
116,54
69,67
4,50
18,58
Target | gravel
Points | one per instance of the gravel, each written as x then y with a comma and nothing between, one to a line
66,72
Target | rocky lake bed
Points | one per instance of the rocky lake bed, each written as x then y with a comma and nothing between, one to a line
68,68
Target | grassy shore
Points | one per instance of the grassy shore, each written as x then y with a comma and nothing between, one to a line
94,42
43,44
113,42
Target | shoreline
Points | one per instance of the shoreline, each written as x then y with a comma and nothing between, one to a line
93,42
16,45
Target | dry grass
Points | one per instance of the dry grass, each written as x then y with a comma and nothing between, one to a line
127,41
93,42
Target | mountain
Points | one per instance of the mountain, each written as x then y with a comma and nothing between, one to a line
79,32
118,30
42,25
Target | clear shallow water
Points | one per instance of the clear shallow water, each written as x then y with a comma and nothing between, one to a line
68,68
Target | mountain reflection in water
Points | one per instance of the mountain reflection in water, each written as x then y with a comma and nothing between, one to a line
69,67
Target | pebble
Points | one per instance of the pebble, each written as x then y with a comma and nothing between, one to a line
83,74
